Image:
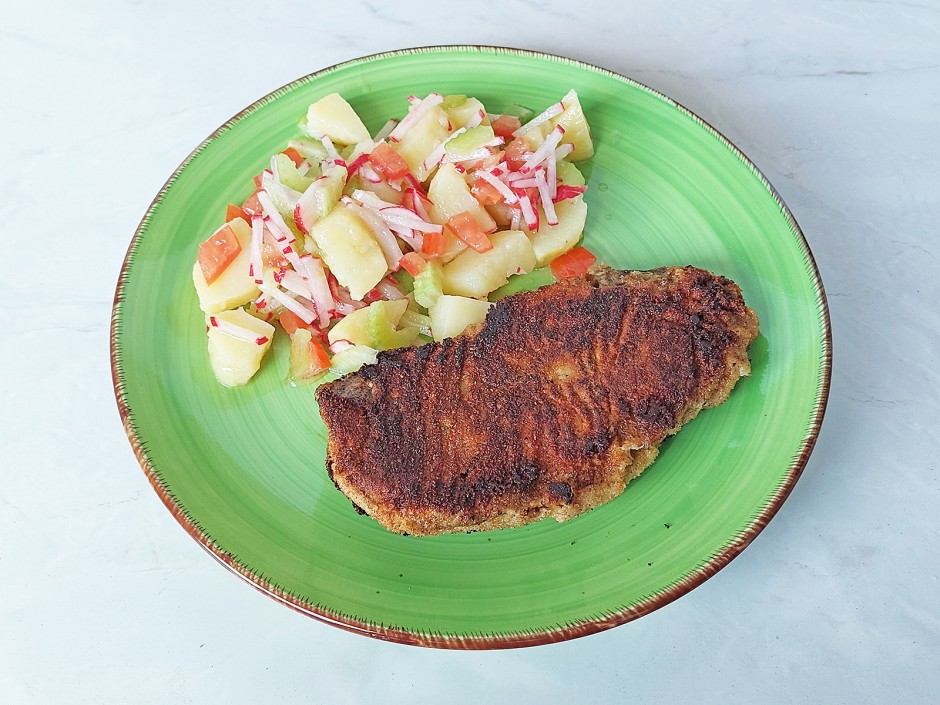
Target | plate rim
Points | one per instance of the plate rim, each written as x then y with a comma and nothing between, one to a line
495,640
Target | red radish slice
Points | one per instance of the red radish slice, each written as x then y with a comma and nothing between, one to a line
504,190
389,290
565,192
386,130
543,117
235,331
383,236
255,265
368,172
551,176
529,213
528,182
414,115
295,284
545,197
397,215
475,119
545,149
356,165
305,314
563,151
331,153
320,295
274,219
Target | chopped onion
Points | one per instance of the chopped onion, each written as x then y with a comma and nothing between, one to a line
340,345
331,153
368,172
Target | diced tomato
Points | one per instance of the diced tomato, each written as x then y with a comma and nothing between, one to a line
466,227
232,212
505,125
252,205
434,245
372,296
413,263
516,153
573,263
294,156
321,359
486,193
564,192
257,179
217,253
290,322
388,162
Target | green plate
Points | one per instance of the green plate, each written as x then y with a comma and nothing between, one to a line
243,470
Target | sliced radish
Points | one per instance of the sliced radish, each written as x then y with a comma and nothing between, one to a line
563,151
383,236
386,130
236,331
545,149
547,115
322,298
529,213
565,192
491,178
257,237
305,314
273,219
340,345
389,290
417,112
545,197
398,215
551,176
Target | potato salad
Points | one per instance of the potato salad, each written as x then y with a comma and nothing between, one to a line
355,243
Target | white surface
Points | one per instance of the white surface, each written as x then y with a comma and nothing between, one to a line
105,599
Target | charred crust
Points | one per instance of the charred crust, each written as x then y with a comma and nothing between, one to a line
561,492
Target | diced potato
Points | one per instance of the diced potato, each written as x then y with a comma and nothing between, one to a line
351,359
450,195
423,137
577,132
553,240
334,117
234,287
451,315
235,361
375,326
476,274
350,251
461,112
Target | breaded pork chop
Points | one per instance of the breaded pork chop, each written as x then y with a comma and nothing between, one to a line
548,409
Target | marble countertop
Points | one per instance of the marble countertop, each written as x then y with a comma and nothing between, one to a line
104,599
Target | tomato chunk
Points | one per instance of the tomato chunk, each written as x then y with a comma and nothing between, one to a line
294,156
290,322
388,162
413,263
516,153
486,193
505,125
217,253
257,179
466,227
252,205
321,359
232,212
573,263
434,245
